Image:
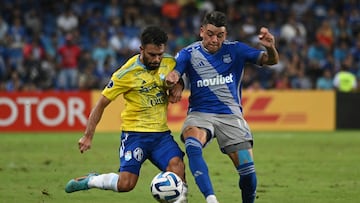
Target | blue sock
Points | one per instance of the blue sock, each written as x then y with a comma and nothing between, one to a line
198,166
247,182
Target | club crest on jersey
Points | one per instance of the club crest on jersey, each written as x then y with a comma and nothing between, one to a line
138,154
110,84
162,76
128,155
227,58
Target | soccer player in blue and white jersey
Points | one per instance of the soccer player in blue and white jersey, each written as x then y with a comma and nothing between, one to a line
145,133
214,68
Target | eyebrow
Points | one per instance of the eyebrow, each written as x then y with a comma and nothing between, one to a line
212,32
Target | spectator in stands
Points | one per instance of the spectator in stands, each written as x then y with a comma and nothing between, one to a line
67,21
69,55
282,81
3,28
14,83
301,81
87,78
171,10
33,53
344,80
113,10
293,31
325,35
47,73
293,20
102,51
32,21
325,82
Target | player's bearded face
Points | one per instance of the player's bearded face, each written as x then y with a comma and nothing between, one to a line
212,37
151,55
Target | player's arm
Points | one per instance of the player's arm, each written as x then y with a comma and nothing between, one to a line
182,61
176,91
271,56
172,78
94,118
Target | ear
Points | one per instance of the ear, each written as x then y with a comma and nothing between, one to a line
201,33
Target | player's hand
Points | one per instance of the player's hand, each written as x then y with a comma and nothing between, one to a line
84,143
172,78
266,38
175,93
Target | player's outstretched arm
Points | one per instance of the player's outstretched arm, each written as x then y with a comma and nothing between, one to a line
271,56
94,118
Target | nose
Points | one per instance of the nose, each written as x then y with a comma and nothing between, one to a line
214,38
157,58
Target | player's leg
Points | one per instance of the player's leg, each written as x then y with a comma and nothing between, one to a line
195,138
244,163
235,139
168,156
132,155
177,166
121,182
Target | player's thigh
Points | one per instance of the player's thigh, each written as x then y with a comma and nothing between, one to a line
165,150
133,152
199,126
231,130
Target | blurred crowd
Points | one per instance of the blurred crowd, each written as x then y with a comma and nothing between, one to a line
77,44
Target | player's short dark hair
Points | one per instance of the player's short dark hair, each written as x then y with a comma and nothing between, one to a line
216,18
153,35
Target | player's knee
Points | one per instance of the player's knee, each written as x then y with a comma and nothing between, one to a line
177,166
126,184
192,131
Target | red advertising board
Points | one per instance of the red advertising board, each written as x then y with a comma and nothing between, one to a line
44,111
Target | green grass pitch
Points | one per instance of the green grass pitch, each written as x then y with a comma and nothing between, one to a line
292,167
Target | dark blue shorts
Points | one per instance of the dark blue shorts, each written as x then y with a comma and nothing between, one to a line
137,147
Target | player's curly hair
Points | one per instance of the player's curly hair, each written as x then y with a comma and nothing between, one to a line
216,18
153,35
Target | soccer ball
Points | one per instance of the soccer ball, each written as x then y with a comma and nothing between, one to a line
166,187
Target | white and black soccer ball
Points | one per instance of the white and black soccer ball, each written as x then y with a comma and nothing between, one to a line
166,187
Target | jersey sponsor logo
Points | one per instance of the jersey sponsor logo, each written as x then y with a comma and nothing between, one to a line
157,100
138,154
218,80
147,89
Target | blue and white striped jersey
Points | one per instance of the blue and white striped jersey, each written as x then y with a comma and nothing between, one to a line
215,79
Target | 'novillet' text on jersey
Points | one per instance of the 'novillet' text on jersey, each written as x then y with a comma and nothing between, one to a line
216,78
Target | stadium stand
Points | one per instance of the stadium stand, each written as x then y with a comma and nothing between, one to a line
313,36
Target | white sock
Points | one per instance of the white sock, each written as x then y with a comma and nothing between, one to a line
104,181
211,199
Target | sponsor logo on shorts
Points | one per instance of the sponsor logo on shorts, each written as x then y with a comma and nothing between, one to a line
128,155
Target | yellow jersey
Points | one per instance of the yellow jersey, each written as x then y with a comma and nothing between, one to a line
144,92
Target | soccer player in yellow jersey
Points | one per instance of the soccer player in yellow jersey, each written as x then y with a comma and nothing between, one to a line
145,134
